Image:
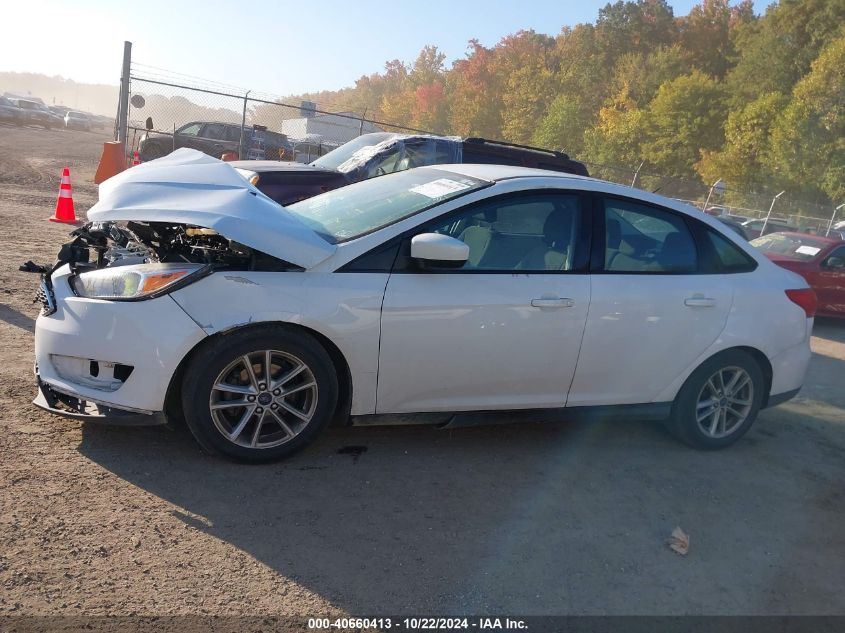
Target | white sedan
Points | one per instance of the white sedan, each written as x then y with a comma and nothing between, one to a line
446,295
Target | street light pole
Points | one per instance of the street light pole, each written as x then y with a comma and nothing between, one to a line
830,224
768,215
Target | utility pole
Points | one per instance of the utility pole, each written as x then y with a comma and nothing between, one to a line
123,102
243,125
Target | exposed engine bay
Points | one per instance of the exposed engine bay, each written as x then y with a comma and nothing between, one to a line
107,244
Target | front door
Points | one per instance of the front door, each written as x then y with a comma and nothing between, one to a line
504,331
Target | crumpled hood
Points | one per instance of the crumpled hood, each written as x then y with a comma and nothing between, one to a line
189,187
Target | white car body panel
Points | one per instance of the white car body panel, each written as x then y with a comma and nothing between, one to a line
641,334
474,342
151,336
176,189
421,342
343,307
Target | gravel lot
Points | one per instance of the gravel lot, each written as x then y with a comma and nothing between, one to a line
530,519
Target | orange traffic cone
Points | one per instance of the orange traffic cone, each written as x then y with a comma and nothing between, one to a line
64,203
136,160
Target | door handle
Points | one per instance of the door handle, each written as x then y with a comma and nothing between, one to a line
553,303
699,302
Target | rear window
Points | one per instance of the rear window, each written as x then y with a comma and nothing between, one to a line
727,257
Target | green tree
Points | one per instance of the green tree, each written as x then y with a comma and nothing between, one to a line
777,50
808,139
743,160
684,118
616,138
640,75
563,126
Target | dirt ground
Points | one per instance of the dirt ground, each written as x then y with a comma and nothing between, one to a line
530,519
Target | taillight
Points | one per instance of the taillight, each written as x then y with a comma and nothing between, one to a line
805,298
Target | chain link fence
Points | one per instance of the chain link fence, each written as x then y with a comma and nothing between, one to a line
182,111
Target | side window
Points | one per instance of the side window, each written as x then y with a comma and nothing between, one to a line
725,257
530,233
385,163
214,130
192,129
234,134
644,239
838,253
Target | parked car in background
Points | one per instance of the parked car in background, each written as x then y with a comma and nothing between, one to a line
445,295
10,113
820,260
733,225
380,153
754,228
77,121
35,113
214,138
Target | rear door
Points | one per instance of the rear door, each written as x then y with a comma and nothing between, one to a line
503,332
651,312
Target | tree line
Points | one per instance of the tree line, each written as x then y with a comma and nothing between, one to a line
758,101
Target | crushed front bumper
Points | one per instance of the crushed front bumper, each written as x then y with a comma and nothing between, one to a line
74,407
105,358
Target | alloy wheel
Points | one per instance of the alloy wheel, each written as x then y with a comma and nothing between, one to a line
724,402
263,399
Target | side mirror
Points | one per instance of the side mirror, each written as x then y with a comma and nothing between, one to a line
440,251
834,262
149,123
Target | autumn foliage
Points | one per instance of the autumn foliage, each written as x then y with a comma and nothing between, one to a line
719,93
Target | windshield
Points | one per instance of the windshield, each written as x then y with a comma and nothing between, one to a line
357,149
349,212
802,247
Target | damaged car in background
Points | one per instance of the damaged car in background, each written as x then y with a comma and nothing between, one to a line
443,295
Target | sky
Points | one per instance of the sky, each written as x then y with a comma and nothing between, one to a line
277,47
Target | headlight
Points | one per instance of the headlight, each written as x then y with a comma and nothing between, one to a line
142,281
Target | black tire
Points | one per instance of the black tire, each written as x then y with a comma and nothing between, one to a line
683,423
219,354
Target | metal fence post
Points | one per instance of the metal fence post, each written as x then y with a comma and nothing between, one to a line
123,102
830,224
769,214
243,125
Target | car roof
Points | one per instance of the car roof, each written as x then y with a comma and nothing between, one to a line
506,172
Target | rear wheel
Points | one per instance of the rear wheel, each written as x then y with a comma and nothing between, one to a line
719,401
259,395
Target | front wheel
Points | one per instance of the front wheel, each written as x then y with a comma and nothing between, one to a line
719,401
259,395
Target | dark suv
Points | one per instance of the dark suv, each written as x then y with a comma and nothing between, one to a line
380,153
214,138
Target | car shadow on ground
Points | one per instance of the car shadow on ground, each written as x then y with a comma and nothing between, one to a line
542,519
16,318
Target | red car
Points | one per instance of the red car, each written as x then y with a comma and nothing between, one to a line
819,260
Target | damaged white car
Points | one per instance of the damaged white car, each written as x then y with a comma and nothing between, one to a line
448,295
